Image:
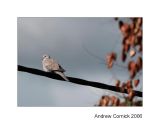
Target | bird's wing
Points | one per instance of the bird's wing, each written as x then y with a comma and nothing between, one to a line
54,65
61,69
50,65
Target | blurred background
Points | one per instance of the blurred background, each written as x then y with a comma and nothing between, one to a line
80,45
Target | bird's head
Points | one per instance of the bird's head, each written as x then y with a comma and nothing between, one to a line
45,56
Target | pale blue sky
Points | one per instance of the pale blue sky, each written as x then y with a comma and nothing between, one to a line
65,39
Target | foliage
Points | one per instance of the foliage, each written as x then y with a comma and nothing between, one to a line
131,45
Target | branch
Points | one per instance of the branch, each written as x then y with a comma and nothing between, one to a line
75,80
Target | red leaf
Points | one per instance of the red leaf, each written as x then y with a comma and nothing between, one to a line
136,82
111,57
129,84
139,63
132,67
125,28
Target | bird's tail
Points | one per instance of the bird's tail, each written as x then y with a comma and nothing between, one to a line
62,75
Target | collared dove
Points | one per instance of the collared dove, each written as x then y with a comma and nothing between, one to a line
51,65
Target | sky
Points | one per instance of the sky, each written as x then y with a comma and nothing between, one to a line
80,46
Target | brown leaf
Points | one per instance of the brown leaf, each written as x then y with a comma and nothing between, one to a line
136,82
104,101
132,67
129,90
139,63
139,22
111,57
125,28
132,74
132,39
115,101
131,94
138,41
129,84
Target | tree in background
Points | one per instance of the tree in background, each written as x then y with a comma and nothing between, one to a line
131,45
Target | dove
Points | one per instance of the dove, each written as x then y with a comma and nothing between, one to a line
51,65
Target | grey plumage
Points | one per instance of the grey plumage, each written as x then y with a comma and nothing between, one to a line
51,65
